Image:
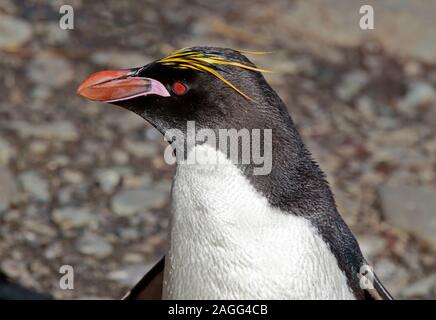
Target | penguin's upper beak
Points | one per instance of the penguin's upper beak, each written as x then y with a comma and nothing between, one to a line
118,85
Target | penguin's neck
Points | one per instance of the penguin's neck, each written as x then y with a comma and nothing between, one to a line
296,184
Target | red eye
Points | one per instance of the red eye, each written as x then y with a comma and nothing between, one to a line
179,88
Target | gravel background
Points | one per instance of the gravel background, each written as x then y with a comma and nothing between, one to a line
85,184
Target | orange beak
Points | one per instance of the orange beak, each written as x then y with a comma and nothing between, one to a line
118,85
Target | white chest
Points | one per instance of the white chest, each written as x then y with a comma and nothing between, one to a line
226,242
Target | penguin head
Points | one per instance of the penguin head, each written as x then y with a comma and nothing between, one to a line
211,86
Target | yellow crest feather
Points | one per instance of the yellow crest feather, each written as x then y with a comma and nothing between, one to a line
207,62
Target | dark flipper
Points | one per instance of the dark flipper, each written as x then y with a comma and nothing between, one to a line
150,286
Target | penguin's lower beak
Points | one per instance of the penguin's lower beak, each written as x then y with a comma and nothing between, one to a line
119,85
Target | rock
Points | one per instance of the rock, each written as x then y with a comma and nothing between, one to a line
73,217
35,185
413,261
130,275
151,220
120,59
38,147
7,6
338,25
421,289
366,107
153,135
129,234
119,156
108,179
65,195
142,181
50,70
411,208
351,84
393,276
58,161
8,189
53,251
8,216
14,32
413,69
60,130
40,268
32,210
72,176
407,137
140,149
38,94
6,152
13,268
130,202
164,186
94,245
371,245
419,93
55,35
396,155
155,240
129,121
132,257
38,227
